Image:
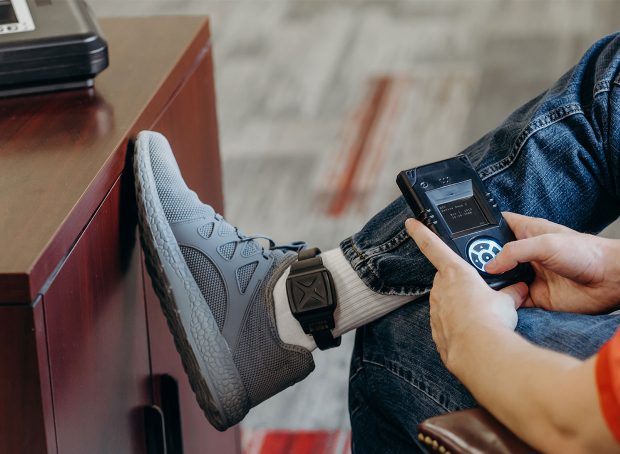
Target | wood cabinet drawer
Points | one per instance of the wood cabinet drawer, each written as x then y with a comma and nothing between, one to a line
84,348
97,337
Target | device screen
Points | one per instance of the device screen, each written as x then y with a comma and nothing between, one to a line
463,214
458,206
7,13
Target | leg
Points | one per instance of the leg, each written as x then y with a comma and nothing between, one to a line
557,157
398,379
216,285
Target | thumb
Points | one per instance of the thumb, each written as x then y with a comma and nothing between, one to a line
518,293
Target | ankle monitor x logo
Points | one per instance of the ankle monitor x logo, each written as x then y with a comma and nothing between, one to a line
310,292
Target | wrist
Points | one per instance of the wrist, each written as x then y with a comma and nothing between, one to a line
471,345
462,343
609,252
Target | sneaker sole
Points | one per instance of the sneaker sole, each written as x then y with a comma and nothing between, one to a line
208,360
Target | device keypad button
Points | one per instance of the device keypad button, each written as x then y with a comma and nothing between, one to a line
480,247
482,250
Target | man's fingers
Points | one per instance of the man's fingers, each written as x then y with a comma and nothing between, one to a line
528,303
517,292
526,227
535,249
435,250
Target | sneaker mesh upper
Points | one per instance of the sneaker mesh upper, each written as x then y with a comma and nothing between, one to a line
178,202
250,249
266,366
244,275
227,250
226,229
206,230
209,282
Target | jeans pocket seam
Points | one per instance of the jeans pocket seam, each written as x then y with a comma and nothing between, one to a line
388,245
399,291
601,87
352,375
354,411
536,125
363,258
409,382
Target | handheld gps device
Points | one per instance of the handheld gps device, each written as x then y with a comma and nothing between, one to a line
450,199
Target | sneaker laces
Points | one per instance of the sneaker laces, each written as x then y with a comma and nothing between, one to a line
294,246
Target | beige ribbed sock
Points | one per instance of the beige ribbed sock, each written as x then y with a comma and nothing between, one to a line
357,304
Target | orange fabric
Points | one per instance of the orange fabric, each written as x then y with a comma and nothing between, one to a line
608,383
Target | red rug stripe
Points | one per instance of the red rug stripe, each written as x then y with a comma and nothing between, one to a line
355,154
296,442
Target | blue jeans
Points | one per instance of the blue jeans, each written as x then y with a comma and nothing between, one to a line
556,157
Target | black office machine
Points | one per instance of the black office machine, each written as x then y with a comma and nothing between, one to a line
451,199
48,45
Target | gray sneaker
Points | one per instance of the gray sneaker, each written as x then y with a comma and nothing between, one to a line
215,287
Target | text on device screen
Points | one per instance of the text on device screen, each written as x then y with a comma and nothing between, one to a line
463,214
458,206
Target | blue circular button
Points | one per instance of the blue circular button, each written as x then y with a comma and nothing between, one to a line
482,250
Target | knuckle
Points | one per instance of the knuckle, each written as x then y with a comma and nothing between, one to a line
452,270
507,250
533,225
541,222
551,241
424,243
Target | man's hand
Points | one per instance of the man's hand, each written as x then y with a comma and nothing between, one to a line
461,302
546,398
575,272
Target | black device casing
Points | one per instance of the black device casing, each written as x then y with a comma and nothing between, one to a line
66,50
415,183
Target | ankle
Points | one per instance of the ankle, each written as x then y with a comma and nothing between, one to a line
357,304
289,329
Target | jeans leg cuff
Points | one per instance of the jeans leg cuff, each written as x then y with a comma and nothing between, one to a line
359,263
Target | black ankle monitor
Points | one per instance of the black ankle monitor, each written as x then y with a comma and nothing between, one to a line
450,199
312,297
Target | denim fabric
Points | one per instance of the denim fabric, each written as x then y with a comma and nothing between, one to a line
556,157
398,380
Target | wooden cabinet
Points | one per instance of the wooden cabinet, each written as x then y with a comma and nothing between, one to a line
97,335
87,363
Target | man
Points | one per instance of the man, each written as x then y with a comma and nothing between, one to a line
242,340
